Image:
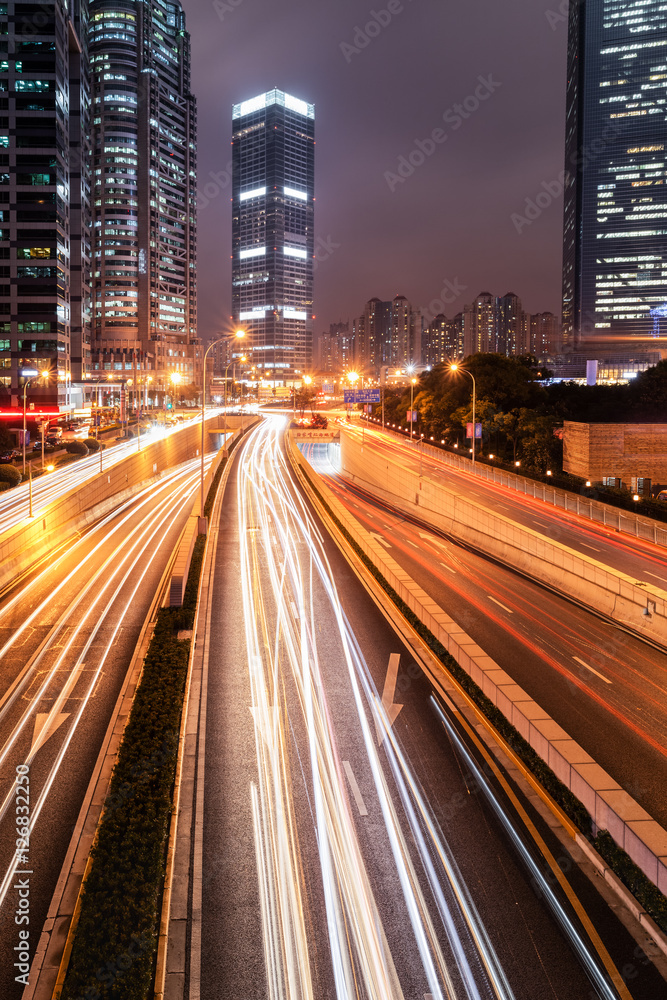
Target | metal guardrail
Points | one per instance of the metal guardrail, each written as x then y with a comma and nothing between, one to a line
610,517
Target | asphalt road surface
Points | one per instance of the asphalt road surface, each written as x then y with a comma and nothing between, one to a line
336,867
604,686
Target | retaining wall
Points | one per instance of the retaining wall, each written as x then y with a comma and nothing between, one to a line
546,560
26,543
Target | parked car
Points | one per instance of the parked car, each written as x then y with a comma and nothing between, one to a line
8,456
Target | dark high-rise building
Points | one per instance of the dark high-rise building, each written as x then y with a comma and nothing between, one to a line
44,202
615,222
144,164
509,313
442,340
273,155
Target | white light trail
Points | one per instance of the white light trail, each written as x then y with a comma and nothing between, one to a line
280,583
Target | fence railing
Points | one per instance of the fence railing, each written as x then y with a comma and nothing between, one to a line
611,517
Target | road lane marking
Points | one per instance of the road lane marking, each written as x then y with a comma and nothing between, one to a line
592,547
361,805
46,723
655,576
541,523
380,539
503,606
388,694
592,670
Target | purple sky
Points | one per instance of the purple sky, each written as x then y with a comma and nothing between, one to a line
451,220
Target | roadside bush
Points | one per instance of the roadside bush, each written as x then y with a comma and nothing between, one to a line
9,474
92,444
76,448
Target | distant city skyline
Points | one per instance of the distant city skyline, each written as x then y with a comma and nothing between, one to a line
450,220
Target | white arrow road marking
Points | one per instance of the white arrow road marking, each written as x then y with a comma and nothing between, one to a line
46,723
380,539
509,610
361,805
45,726
592,670
388,694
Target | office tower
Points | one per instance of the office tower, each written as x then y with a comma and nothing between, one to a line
509,313
144,175
615,236
273,155
44,196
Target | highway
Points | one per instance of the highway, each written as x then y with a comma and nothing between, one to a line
640,559
604,686
67,636
14,503
335,866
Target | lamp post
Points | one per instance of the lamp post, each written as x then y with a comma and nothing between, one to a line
30,375
457,368
413,383
237,336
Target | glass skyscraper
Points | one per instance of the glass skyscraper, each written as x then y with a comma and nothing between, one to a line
45,202
615,224
144,175
273,154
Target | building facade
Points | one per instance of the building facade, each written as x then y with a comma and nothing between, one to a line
273,156
443,340
615,213
44,203
144,183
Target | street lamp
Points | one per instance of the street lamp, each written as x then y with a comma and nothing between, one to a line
458,368
30,375
413,383
237,336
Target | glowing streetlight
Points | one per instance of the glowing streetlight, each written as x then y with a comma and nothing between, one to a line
457,368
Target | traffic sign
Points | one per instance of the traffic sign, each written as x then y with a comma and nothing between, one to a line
362,395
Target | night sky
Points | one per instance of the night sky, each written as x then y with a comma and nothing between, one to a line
450,220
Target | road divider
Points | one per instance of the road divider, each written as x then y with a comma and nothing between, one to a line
613,827
634,604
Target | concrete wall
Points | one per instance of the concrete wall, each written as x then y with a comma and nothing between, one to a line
623,450
545,560
610,807
28,542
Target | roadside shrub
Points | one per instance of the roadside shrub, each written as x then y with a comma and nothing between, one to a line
76,448
9,474
92,444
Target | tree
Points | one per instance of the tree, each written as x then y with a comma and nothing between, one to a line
10,474
303,396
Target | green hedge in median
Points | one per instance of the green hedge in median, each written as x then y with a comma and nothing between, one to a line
647,894
113,956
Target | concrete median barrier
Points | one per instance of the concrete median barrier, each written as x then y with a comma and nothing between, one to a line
630,602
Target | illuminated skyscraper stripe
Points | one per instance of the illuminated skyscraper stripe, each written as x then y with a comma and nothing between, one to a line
272,231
